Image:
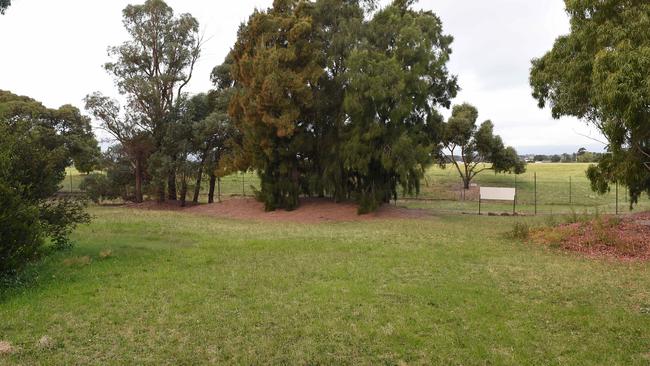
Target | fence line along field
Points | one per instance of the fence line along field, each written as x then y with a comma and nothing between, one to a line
561,188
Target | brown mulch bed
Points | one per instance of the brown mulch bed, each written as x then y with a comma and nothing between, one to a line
620,238
311,211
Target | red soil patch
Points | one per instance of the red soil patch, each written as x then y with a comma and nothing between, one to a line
625,239
310,211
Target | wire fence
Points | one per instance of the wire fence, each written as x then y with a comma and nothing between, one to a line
536,193
549,191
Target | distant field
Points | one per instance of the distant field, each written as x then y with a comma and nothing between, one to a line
180,289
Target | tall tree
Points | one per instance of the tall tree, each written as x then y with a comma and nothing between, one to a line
472,150
275,66
600,72
127,129
154,67
338,26
396,80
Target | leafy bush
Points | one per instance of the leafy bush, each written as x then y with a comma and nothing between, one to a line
21,237
60,217
99,187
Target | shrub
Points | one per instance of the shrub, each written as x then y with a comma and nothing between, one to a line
99,187
520,231
21,237
60,217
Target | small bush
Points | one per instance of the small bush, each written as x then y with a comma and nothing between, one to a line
520,231
60,217
99,187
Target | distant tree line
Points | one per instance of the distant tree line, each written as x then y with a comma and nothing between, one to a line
581,156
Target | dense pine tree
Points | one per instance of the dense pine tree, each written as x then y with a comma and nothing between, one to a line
332,99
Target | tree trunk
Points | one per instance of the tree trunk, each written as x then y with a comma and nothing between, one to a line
161,192
138,180
171,186
213,181
199,177
183,191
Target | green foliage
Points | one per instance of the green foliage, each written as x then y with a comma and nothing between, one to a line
59,217
99,187
600,72
276,63
469,148
396,80
333,100
151,69
36,146
21,236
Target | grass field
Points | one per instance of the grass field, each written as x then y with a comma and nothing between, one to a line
182,290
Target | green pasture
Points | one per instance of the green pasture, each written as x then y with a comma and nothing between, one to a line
450,290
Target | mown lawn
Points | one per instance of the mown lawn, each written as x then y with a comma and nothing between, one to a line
193,290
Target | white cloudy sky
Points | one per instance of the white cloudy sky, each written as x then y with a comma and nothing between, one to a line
54,51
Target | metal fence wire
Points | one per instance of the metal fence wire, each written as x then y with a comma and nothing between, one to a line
535,194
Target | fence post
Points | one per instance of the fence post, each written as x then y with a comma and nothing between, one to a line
535,193
514,204
243,184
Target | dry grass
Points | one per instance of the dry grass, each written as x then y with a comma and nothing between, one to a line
77,261
6,348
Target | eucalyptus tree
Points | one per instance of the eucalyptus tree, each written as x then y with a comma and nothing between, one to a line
125,127
600,72
473,149
153,67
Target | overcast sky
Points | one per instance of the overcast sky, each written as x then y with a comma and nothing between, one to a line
53,51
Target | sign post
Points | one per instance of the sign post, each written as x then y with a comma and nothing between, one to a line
498,194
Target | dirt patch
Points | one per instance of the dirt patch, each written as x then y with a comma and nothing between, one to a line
310,211
6,348
625,239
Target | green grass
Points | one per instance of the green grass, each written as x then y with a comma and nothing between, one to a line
187,290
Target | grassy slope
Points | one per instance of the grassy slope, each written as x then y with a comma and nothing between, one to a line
187,290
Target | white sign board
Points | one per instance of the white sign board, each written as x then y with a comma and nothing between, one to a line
498,194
